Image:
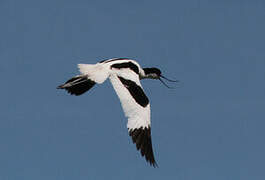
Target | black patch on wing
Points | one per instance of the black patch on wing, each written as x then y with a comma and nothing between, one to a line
77,85
129,65
136,91
110,60
142,138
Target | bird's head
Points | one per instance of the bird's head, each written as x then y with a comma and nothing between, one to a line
152,73
155,73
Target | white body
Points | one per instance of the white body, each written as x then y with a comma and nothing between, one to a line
138,116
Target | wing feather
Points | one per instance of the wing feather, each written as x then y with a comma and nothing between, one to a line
136,107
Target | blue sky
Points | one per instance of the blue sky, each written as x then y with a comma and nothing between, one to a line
211,127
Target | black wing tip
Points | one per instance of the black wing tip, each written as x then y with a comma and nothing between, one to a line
154,164
60,87
67,90
142,138
77,85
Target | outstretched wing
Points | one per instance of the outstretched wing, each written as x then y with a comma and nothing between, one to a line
136,107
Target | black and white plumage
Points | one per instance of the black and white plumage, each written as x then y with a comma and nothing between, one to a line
124,75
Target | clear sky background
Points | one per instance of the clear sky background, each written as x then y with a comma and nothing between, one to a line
211,127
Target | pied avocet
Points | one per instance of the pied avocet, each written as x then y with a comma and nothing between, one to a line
125,75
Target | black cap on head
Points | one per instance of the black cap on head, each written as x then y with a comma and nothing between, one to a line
155,73
152,71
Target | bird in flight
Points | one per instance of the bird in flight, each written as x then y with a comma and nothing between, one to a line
125,75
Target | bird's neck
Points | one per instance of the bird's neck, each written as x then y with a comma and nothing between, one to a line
142,74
